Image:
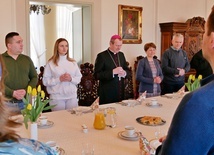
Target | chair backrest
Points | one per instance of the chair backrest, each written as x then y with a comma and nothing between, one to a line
40,82
128,82
87,88
43,87
136,93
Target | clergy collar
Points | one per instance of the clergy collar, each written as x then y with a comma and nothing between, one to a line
111,52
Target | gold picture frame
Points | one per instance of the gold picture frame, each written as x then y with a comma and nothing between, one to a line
130,24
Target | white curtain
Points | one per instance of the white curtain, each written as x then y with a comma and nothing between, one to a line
64,25
37,39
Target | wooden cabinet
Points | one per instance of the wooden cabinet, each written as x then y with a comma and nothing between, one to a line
167,31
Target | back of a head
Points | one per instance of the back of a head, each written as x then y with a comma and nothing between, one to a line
6,125
210,22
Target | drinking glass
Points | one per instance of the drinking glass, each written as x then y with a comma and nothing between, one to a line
110,117
87,149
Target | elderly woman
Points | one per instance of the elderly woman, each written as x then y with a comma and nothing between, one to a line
149,73
10,142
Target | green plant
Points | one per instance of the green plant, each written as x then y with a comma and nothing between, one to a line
193,83
34,104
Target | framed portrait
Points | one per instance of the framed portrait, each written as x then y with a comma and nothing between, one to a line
130,24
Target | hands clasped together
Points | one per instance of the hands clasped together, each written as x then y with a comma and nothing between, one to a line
157,79
65,77
19,94
119,71
181,72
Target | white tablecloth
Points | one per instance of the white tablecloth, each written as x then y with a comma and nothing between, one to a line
67,130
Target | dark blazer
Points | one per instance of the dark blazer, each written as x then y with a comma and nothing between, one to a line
108,90
144,75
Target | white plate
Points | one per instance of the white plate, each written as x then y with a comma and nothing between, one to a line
152,105
154,143
48,125
135,138
130,102
173,95
81,109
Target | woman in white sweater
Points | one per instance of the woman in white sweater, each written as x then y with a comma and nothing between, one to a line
61,76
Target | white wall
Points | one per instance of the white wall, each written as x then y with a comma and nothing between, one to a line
8,23
105,20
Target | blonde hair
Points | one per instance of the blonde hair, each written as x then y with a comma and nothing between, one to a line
55,56
6,125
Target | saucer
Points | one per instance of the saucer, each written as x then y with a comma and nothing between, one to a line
48,125
122,135
154,143
153,105
60,150
54,146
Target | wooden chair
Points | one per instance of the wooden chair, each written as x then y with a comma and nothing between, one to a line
43,87
87,88
129,91
137,83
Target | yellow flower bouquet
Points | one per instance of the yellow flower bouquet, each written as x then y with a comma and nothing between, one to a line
193,83
35,103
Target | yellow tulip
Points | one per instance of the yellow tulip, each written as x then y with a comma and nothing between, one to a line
190,76
199,77
193,78
29,89
39,89
42,94
34,92
29,106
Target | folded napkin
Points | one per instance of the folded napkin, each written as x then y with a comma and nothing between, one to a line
142,97
95,104
145,148
182,90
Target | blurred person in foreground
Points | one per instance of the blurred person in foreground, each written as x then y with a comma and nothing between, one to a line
20,72
10,142
149,72
111,69
174,65
201,65
61,76
191,130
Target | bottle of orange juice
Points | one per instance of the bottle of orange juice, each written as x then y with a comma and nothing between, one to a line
99,120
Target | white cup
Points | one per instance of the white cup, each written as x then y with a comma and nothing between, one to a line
52,144
154,101
129,130
43,120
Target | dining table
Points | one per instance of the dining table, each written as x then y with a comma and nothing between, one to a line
68,134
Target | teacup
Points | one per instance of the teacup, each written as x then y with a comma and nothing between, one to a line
43,120
52,144
129,131
154,101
